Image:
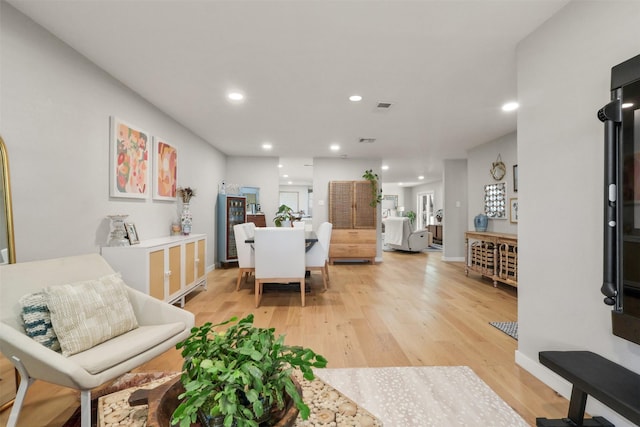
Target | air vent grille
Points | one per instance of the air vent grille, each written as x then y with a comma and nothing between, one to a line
384,105
367,140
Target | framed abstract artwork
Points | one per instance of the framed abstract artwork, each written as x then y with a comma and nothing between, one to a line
165,170
130,161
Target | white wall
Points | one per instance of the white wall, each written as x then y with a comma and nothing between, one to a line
479,161
55,122
261,172
563,79
454,221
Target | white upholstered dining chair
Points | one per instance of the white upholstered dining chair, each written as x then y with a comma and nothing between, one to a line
316,258
246,259
279,258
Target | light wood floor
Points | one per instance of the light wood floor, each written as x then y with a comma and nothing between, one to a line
410,310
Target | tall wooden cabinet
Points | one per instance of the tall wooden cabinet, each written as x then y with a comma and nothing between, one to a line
166,268
354,234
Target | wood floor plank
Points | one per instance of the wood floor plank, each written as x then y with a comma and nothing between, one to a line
410,310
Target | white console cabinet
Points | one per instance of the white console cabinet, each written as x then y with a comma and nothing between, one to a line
167,268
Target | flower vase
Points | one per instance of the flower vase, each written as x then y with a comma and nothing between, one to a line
185,219
118,236
480,222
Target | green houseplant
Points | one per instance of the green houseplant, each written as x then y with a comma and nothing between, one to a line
376,196
285,213
412,217
241,374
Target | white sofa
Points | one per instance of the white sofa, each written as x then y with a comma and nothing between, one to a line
160,327
399,235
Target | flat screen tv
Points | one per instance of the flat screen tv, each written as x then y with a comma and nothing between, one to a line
621,117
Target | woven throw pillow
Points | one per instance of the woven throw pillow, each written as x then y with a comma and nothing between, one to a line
86,313
37,320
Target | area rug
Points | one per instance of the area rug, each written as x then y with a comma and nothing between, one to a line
509,328
424,396
328,407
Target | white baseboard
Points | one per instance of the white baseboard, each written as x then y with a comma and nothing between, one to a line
563,387
453,259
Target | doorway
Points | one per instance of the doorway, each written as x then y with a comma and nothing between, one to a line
425,209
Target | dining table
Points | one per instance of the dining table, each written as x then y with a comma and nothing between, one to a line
310,239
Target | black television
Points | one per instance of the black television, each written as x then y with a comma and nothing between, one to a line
621,281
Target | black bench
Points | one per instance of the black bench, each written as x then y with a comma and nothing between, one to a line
591,374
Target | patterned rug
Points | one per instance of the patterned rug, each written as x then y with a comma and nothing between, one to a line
426,396
509,328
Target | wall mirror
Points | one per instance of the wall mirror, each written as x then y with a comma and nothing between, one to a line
7,246
495,196
8,377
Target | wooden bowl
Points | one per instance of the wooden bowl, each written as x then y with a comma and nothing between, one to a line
163,400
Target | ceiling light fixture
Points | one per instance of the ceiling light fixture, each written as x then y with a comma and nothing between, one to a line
280,165
334,147
355,98
290,182
421,177
385,167
510,106
235,96
267,146
285,176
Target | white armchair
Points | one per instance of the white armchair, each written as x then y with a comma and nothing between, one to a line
246,258
280,258
317,256
161,326
399,235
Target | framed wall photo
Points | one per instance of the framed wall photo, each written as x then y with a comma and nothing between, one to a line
165,170
129,162
515,178
393,198
513,209
132,233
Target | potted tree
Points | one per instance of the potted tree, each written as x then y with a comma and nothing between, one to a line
284,214
241,376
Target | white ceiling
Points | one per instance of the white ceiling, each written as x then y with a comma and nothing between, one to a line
446,66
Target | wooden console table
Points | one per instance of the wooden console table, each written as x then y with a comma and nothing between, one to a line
494,255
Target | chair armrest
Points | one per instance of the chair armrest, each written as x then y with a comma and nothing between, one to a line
152,311
42,362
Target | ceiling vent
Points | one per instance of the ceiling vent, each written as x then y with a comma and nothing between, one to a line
384,105
367,140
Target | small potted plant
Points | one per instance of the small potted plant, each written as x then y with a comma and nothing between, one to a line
240,376
285,213
412,217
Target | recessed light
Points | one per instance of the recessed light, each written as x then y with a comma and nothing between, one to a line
285,176
385,167
235,96
267,146
627,105
290,182
421,177
355,98
280,165
510,106
334,147
400,183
